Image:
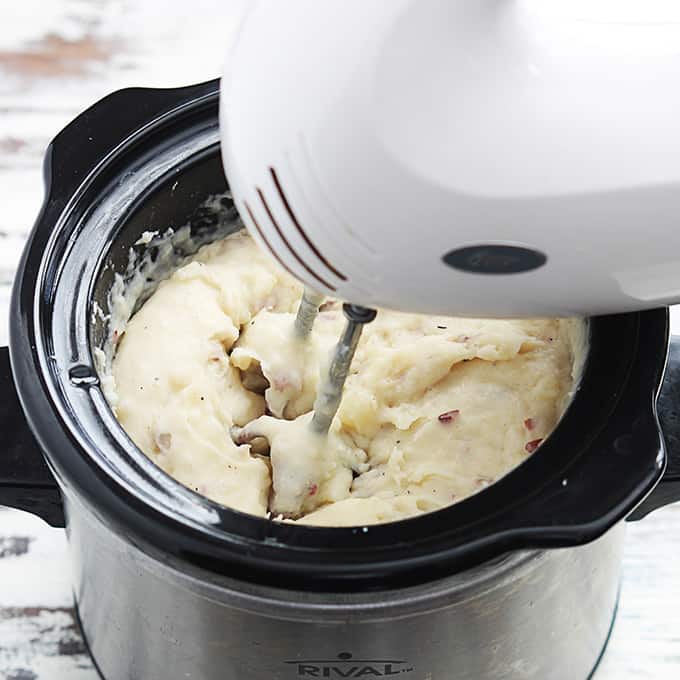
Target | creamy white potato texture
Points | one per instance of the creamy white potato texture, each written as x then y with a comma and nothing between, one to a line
434,409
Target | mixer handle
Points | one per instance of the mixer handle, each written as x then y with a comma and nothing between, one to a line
26,482
668,411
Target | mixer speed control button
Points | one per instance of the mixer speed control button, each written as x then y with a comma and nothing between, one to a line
495,259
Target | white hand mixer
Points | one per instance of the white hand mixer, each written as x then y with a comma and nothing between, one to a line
490,158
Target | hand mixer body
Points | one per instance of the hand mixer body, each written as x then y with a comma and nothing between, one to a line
489,158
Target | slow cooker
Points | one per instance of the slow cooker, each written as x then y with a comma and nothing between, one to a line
518,581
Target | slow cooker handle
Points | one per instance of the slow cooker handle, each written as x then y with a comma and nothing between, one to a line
89,138
668,410
26,482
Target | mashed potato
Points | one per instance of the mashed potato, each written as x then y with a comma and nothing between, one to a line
434,409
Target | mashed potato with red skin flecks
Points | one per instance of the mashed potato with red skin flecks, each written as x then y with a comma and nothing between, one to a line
434,408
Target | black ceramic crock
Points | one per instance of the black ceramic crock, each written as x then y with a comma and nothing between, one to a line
615,453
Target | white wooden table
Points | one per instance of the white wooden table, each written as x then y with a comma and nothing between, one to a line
56,58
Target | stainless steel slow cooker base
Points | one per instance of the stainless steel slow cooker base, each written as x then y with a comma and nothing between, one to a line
541,615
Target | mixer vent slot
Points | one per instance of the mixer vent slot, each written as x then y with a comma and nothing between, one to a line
264,238
301,231
285,241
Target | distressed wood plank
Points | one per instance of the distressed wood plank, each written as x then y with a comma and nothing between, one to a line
39,638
